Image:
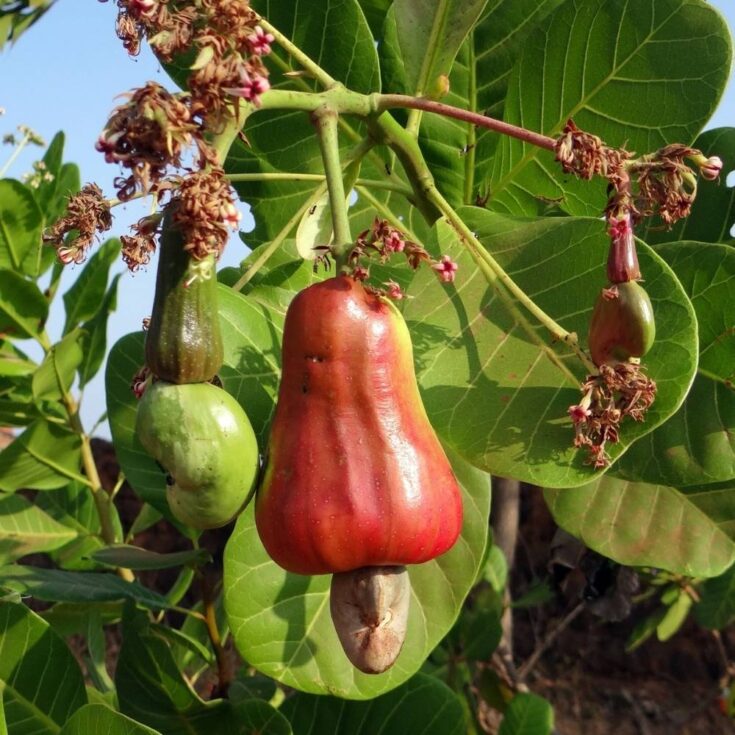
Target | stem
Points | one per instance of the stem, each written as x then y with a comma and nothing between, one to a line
325,120
373,183
224,670
389,101
299,56
275,243
23,143
471,152
481,254
356,154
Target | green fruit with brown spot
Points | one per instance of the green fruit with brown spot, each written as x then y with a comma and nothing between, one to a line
622,327
201,436
183,342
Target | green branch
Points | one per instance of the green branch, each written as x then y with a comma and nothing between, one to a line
325,121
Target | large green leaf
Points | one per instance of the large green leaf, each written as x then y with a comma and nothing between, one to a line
41,684
430,32
26,529
696,446
152,690
97,718
95,330
690,531
499,391
281,623
713,211
83,299
45,456
53,585
20,228
638,74
422,705
23,308
251,332
458,153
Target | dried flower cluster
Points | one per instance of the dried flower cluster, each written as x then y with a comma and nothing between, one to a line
147,135
660,183
87,214
383,241
227,40
619,390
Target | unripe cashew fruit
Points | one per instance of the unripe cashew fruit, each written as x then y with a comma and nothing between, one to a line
201,436
622,324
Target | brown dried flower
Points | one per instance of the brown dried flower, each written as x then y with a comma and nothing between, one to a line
620,389
87,214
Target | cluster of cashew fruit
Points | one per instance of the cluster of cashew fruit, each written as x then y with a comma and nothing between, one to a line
355,482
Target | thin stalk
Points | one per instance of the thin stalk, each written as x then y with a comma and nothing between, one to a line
356,154
276,242
476,248
390,101
471,152
181,586
23,143
299,56
224,670
325,121
372,183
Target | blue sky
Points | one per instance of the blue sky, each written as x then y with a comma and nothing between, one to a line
64,75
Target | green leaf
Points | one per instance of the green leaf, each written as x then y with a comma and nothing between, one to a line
151,689
497,388
95,661
638,75
644,629
70,618
68,182
650,525
54,377
45,456
41,684
251,331
20,228
496,569
716,608
713,211
13,362
256,717
696,446
23,308
281,623
135,558
675,617
97,718
95,330
53,585
422,705
26,529
82,301
375,11
458,153
430,32
52,159
527,714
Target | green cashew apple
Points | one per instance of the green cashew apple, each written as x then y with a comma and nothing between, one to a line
201,436
622,324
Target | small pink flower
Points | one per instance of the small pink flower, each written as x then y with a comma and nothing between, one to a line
108,146
260,41
141,8
711,168
579,414
250,88
619,228
230,215
446,269
394,243
393,291
360,273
